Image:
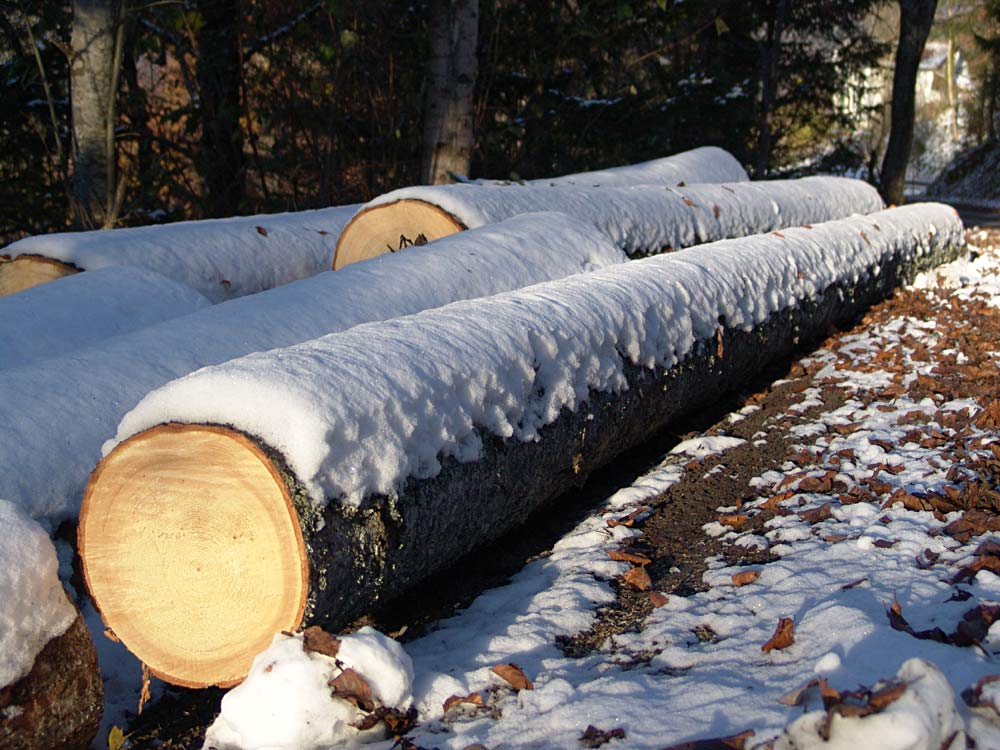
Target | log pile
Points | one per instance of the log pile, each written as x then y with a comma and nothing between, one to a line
200,539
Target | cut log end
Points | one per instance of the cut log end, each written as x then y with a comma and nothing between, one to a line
390,227
193,552
26,271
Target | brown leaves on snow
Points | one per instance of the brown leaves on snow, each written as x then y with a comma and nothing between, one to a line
784,636
970,631
594,737
512,674
317,640
732,742
353,688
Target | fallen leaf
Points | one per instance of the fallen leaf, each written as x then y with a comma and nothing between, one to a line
638,578
797,697
745,576
657,599
352,687
594,737
513,675
472,699
317,640
620,555
732,742
853,584
973,696
784,636
816,515
734,520
261,231
715,210
396,721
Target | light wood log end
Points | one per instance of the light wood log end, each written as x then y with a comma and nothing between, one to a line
26,271
193,551
390,227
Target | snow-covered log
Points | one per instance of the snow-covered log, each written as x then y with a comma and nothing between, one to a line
53,319
306,484
51,694
221,258
55,415
640,219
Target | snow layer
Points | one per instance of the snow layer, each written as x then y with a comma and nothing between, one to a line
705,164
646,219
285,702
54,416
358,412
221,258
73,312
33,606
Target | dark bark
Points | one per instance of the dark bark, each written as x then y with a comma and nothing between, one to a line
768,85
916,19
363,556
59,704
448,120
221,162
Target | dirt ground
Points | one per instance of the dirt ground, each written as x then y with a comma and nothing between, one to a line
672,539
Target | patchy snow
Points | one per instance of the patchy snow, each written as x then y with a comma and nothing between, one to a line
646,219
221,258
76,311
509,364
54,416
286,702
705,446
34,607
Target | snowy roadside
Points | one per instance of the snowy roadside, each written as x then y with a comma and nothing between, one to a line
854,501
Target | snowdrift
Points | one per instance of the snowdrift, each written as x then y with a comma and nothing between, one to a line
221,258
345,469
53,319
47,457
640,219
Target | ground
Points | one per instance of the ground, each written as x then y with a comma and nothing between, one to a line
846,501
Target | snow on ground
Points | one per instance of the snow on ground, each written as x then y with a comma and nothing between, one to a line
221,258
646,219
884,575
47,458
76,311
510,363
34,607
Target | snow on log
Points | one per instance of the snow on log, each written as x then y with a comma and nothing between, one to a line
641,219
46,457
221,258
53,319
51,694
306,484
704,164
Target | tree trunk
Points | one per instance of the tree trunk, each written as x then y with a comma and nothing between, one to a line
220,78
448,136
96,52
916,18
217,524
58,705
768,85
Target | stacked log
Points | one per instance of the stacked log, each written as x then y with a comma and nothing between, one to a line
53,319
55,414
307,484
221,258
640,219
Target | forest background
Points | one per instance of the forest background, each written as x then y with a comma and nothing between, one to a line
125,112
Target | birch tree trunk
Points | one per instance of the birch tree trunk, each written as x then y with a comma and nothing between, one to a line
220,78
916,18
96,51
448,136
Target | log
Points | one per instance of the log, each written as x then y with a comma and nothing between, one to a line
375,457
81,310
221,258
59,704
639,219
46,458
26,271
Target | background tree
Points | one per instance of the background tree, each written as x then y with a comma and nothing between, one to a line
916,19
448,117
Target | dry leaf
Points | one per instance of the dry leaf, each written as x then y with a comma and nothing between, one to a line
352,687
745,577
784,636
594,737
797,697
720,350
261,231
657,599
715,210
816,515
315,639
689,202
734,520
620,555
638,578
513,675
472,699
732,742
